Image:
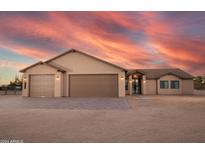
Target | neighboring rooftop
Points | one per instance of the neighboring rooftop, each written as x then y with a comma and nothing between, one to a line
157,73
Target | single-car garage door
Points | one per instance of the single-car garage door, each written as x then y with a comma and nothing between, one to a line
42,85
93,85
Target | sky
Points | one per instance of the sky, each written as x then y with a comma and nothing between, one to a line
132,40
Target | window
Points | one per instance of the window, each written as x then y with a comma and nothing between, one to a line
175,84
164,84
24,85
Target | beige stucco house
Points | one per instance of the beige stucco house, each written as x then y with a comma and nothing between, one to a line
170,81
77,74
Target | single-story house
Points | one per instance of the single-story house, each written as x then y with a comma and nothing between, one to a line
171,81
78,74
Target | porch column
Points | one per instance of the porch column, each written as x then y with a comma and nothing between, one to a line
130,85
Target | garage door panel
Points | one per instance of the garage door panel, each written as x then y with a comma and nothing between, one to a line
42,85
93,85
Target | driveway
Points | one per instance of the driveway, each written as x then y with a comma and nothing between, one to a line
141,119
18,102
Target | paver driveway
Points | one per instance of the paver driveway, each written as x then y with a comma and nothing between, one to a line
145,119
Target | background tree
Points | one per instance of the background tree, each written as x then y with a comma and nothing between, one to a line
199,82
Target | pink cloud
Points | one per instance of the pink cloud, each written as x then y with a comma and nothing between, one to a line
12,64
94,32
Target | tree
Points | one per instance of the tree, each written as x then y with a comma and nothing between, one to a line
199,82
16,84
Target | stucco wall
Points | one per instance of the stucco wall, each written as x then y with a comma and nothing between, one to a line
42,69
188,87
151,87
170,91
77,63
25,91
64,87
58,85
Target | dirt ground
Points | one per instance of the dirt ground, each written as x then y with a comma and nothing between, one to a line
148,119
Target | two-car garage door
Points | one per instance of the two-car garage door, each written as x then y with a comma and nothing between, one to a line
87,85
90,85
42,85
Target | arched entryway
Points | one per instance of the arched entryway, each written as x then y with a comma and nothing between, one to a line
134,83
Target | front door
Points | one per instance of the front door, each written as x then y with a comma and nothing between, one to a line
136,86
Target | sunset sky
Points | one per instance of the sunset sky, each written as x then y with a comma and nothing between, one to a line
130,39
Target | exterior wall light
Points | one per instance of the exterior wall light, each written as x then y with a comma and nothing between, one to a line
135,76
122,78
24,78
57,77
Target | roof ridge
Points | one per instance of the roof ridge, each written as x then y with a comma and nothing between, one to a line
85,53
